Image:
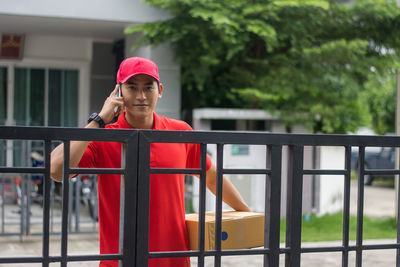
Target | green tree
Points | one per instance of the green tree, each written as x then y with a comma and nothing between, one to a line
306,60
380,99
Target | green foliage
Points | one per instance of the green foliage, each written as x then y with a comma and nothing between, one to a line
329,227
380,96
309,61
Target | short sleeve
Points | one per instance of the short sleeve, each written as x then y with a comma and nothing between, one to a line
193,158
88,159
193,152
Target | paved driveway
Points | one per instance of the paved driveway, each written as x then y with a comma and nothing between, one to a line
379,199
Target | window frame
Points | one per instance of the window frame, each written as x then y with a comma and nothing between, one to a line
83,68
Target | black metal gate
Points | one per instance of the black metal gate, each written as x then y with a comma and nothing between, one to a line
134,249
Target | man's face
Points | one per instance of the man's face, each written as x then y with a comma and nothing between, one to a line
140,94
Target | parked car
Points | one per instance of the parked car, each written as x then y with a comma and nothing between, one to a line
375,158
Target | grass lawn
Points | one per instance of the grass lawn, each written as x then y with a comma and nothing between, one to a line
330,227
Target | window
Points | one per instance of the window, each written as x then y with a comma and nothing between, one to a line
3,110
63,98
3,95
37,103
29,92
240,150
42,97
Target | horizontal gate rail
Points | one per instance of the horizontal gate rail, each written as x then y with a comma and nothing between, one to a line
259,138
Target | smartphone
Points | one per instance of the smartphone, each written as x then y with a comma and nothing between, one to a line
119,94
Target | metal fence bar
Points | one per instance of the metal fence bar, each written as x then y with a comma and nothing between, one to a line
360,205
326,172
3,205
346,208
78,185
246,171
65,206
143,192
251,138
70,204
22,170
174,171
65,133
397,179
294,205
52,198
46,204
130,203
202,204
21,260
350,248
272,201
122,193
381,172
227,252
28,205
323,249
96,171
218,204
22,208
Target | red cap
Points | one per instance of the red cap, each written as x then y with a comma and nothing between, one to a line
136,65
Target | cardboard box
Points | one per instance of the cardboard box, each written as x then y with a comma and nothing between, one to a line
239,230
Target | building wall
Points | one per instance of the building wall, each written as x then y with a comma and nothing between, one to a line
63,52
108,10
42,46
331,190
80,34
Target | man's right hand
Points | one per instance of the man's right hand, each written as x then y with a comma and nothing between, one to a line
107,111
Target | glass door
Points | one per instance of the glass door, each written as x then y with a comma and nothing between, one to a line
29,97
3,111
43,97
63,98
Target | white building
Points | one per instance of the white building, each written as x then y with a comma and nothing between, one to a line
70,54
71,51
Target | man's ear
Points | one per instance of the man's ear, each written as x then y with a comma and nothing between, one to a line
160,90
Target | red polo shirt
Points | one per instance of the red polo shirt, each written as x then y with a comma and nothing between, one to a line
167,203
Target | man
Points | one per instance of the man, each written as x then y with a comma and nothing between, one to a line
141,88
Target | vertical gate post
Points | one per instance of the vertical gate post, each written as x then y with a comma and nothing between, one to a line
397,183
273,205
218,204
360,205
346,208
294,205
65,205
202,203
129,189
46,205
143,199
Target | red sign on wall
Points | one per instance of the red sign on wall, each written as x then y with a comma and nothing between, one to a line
11,46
